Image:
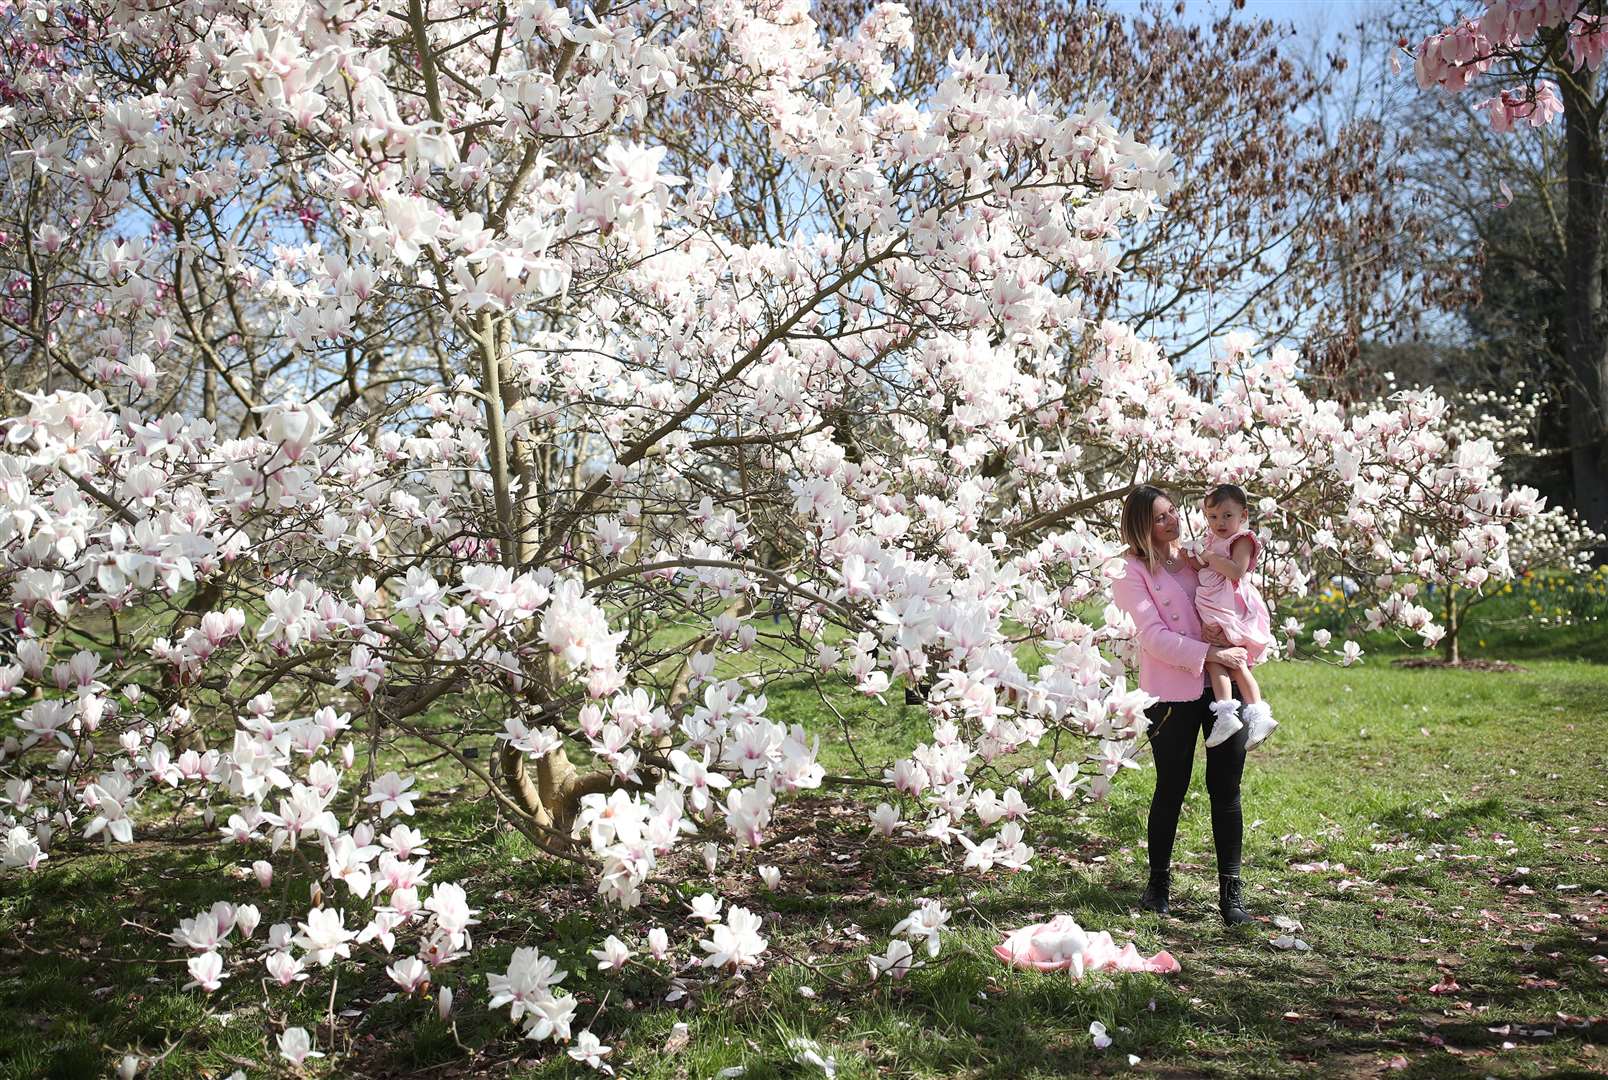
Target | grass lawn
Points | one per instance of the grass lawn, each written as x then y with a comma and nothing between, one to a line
1419,829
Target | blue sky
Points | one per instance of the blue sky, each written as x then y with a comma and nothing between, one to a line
1304,13
1322,20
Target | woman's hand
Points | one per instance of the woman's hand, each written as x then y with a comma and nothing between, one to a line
1231,657
1212,634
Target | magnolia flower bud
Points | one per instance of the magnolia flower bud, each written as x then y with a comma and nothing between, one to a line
246,919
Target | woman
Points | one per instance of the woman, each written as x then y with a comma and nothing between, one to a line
1158,593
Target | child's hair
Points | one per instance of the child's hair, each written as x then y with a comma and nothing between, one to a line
1230,492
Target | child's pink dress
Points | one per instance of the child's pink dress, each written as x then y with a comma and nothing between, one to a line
1236,607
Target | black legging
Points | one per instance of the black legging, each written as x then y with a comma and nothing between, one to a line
1175,726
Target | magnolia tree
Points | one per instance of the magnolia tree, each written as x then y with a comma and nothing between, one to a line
379,389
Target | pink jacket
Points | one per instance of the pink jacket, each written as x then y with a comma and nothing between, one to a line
1172,656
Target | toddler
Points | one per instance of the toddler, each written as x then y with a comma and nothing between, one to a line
1229,601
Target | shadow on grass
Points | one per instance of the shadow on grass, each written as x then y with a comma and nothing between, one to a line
111,982
1486,815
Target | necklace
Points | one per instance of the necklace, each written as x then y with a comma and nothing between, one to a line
1169,562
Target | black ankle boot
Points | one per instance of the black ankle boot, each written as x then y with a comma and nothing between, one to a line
1231,901
1154,898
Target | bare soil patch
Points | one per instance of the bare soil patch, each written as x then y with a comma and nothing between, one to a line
1460,665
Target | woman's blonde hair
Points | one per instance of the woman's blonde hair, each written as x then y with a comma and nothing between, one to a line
1139,522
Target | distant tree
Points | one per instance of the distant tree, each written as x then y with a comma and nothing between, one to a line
1541,58
1506,340
1518,337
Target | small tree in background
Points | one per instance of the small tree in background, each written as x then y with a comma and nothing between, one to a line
1552,539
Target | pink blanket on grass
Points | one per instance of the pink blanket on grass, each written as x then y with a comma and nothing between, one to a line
1061,944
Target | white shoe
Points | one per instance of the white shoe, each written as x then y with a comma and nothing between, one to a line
1225,722
1259,718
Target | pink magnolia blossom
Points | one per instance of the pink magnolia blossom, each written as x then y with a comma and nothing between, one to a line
1062,945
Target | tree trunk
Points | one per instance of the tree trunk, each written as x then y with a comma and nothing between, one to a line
1585,345
1454,624
553,795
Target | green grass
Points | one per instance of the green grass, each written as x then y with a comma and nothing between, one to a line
1433,788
